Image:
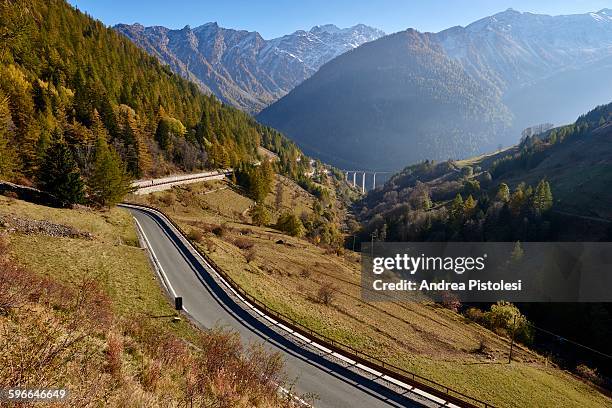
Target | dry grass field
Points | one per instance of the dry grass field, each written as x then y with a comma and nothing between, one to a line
80,308
288,273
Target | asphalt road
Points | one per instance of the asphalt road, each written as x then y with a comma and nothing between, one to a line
208,304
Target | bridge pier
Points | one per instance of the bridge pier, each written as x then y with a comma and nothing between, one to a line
363,183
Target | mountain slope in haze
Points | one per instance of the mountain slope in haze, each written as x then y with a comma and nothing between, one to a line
512,49
537,60
391,101
240,66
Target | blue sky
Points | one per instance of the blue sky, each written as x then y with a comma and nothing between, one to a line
275,18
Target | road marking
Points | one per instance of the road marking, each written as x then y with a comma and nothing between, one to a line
369,370
156,261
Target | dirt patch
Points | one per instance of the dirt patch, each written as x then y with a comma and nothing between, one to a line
27,226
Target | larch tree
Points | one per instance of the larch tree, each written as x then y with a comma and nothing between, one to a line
503,193
109,181
7,154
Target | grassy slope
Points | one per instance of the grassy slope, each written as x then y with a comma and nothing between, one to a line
156,355
113,257
426,339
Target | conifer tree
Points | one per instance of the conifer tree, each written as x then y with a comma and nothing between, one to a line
456,211
260,215
542,198
267,173
7,154
469,206
59,174
517,200
109,181
503,193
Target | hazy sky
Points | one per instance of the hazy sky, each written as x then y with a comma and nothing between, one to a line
275,18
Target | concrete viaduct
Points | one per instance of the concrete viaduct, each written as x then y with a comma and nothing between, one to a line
363,177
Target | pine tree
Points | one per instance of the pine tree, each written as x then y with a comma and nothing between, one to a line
257,185
260,215
503,193
456,211
267,174
109,181
138,157
469,206
7,154
542,198
59,174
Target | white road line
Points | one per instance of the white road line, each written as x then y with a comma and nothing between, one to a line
155,259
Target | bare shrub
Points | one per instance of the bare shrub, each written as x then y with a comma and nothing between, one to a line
250,255
234,372
330,250
150,375
220,230
451,301
37,348
326,294
168,199
195,235
305,273
244,243
209,245
114,350
189,199
11,194
16,285
482,347
475,314
589,374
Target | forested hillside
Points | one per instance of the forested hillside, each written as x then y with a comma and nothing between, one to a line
573,161
80,97
553,186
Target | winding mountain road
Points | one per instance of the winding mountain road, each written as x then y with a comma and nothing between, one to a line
184,273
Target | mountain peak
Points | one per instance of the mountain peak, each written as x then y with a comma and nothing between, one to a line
243,68
326,28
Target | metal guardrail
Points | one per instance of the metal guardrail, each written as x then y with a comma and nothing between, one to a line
439,390
180,178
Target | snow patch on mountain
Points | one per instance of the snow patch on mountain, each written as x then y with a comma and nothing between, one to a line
241,67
